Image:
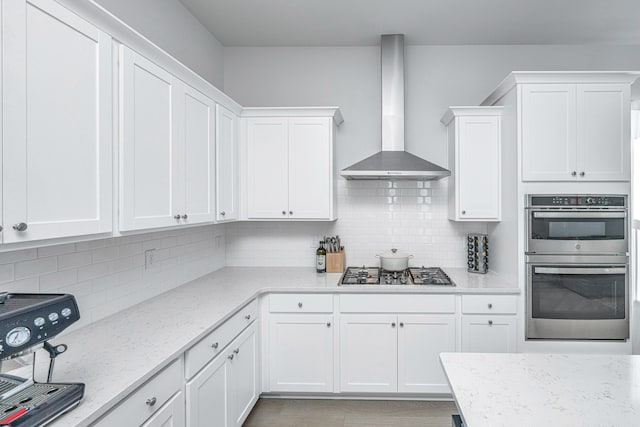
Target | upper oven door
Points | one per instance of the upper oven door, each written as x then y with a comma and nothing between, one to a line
578,231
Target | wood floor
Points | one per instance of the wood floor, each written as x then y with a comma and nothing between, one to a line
349,413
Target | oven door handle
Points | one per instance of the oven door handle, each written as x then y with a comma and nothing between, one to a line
579,215
580,270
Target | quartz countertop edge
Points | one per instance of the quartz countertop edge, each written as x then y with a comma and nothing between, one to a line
554,390
142,340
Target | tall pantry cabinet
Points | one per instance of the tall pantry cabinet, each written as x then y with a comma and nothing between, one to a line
57,123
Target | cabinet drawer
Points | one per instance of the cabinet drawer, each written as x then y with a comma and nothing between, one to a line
146,400
210,346
397,304
301,303
489,304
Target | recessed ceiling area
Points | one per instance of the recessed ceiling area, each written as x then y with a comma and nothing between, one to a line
424,22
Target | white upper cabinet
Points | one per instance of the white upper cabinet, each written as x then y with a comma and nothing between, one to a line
474,142
167,152
290,161
575,132
227,189
57,119
195,125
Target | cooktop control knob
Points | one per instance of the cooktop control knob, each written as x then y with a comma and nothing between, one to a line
38,321
590,200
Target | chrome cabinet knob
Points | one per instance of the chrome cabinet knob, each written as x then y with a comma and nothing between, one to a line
230,357
402,324
223,213
248,317
490,305
581,173
1,228
464,212
20,227
176,216
215,345
328,324
236,351
490,322
184,216
152,401
573,173
393,324
290,212
299,305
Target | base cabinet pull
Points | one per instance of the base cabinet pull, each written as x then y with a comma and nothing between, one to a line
215,345
20,226
490,322
152,401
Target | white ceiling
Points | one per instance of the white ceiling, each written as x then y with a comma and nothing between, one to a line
424,22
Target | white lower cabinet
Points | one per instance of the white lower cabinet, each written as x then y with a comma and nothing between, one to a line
301,352
224,392
421,339
488,334
171,414
368,353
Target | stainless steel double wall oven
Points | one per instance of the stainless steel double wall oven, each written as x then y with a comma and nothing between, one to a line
577,267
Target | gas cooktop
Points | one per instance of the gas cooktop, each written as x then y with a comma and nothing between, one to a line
411,276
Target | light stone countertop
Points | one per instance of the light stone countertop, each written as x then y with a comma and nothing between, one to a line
550,390
116,355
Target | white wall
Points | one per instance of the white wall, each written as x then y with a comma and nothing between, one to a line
172,27
371,220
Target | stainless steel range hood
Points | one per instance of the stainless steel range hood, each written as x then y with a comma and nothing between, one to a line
393,162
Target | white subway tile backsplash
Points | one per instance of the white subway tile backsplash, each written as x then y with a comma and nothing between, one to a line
108,275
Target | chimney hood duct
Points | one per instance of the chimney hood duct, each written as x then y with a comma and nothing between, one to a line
393,162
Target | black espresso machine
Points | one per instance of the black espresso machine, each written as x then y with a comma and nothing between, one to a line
27,323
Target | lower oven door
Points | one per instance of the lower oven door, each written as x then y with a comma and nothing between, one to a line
581,301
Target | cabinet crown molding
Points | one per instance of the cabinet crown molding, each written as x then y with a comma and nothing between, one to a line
457,111
333,112
550,77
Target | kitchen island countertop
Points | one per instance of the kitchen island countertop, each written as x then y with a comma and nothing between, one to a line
116,355
551,390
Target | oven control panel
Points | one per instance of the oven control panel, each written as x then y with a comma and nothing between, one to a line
583,200
29,319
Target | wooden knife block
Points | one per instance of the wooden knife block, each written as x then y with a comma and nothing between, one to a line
335,262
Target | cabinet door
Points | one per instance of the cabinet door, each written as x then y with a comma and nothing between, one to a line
489,334
226,164
603,132
195,176
207,396
310,167
478,168
243,378
171,414
368,353
267,167
301,353
57,103
421,339
548,132
147,146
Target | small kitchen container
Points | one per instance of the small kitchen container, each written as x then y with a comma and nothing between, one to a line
335,262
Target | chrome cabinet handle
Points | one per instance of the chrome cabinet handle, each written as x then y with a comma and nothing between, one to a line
152,401
393,324
290,212
223,213
20,226
581,173
464,212
284,212
299,305
230,357
490,322
184,216
573,173
236,351
176,216
490,305
248,317
328,324
402,324
215,345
